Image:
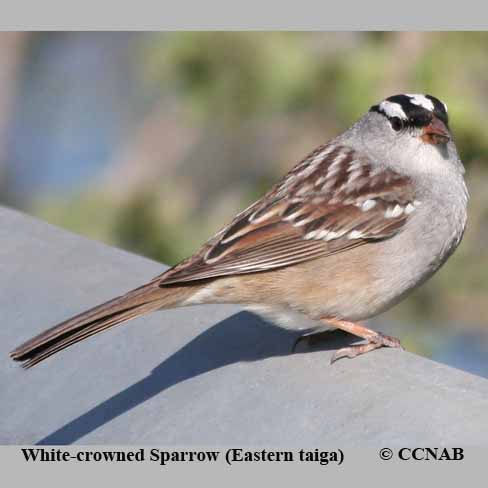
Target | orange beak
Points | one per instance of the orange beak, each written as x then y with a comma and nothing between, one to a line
436,132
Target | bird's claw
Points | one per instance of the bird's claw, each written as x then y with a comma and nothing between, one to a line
375,342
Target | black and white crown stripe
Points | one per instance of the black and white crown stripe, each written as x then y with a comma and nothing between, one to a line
402,106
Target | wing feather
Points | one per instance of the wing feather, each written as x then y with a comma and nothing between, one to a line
333,200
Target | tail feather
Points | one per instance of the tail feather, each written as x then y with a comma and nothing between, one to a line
137,302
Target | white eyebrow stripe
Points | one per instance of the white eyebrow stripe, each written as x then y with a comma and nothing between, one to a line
392,109
421,100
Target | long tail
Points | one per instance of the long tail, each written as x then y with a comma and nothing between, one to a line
137,302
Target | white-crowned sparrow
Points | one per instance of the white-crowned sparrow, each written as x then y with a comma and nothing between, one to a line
346,234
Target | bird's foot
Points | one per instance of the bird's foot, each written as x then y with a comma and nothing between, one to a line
375,342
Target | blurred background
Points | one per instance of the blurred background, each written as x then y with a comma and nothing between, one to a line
152,141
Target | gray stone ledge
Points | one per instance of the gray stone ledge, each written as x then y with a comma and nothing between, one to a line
202,375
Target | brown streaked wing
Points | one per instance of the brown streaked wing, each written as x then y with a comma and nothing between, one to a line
314,211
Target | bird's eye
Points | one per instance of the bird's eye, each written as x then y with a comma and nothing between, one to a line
396,123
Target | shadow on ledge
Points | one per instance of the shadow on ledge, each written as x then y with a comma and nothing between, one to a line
242,337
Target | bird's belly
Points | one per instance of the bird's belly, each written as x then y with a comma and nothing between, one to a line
353,285
362,283
286,317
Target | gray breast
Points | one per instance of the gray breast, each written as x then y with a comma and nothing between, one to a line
433,233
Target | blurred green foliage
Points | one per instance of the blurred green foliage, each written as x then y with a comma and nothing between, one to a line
257,102
233,75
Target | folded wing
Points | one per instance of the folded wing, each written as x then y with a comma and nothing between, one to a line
333,200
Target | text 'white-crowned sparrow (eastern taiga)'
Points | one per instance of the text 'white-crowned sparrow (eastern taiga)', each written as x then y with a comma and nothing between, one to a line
346,234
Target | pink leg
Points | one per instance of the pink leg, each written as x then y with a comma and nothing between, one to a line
374,339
